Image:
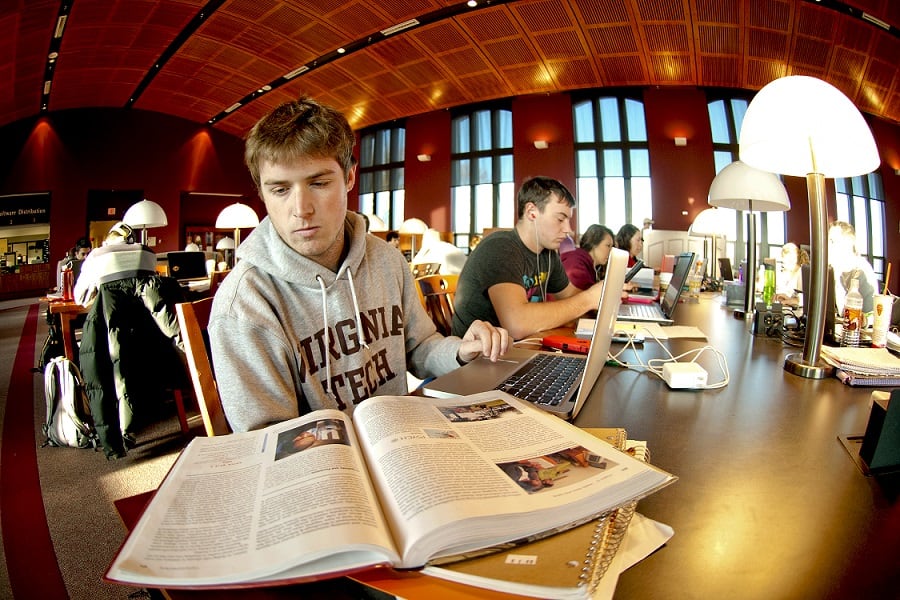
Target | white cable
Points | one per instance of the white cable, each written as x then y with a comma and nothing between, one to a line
651,365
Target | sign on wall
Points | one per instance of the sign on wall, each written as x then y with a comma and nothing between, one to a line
24,209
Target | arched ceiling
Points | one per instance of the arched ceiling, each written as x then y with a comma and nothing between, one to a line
230,61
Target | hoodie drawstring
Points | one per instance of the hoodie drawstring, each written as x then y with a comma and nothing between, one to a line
329,387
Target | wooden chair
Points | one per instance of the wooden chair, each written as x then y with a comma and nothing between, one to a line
193,317
423,269
215,280
438,292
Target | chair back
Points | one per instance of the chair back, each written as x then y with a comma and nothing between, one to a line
423,269
193,317
215,280
438,292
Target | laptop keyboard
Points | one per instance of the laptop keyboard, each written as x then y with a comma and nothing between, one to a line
646,311
546,379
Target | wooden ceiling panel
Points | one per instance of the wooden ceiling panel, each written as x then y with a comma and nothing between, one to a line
603,12
724,71
575,73
561,45
528,79
623,70
719,40
510,52
612,40
516,47
489,25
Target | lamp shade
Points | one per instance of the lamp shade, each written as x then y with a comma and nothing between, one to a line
376,223
708,222
145,214
798,125
413,226
741,187
237,216
226,243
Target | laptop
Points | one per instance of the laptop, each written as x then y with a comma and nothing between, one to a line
662,311
518,363
725,269
187,266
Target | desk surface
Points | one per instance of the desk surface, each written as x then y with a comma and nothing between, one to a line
769,504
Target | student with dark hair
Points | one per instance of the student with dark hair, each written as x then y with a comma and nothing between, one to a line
584,263
630,239
510,276
393,238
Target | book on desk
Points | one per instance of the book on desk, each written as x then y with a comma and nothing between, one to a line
402,483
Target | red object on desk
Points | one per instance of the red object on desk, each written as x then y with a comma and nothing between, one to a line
641,299
567,343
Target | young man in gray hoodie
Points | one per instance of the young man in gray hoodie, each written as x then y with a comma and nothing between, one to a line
317,313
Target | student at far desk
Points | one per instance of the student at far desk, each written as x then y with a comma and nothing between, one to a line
584,263
509,278
316,313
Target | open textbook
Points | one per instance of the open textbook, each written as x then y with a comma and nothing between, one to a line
405,481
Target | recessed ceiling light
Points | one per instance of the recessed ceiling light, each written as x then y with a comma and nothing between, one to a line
53,55
471,4
341,50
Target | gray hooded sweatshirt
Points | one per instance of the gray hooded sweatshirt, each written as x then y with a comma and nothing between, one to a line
289,336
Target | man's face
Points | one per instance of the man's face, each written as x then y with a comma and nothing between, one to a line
81,253
552,223
306,200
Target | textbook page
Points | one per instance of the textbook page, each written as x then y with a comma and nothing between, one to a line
283,503
466,473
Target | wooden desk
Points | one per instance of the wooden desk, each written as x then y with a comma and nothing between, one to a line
67,311
768,504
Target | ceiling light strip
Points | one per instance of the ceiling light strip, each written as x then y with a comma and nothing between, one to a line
348,49
182,38
62,16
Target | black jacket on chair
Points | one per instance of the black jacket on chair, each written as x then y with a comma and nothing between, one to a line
130,353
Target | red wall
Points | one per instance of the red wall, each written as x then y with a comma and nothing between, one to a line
75,151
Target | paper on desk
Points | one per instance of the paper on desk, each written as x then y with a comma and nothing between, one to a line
642,538
662,333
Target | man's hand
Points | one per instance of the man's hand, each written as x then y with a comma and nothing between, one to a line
483,339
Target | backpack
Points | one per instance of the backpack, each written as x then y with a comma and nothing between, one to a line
68,421
53,345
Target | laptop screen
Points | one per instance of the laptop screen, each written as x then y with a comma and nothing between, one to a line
187,265
680,274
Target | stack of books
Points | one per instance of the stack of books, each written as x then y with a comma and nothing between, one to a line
864,366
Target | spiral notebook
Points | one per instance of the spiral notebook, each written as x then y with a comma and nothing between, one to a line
569,564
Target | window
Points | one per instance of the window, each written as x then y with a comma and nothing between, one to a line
860,202
381,184
725,119
612,162
483,193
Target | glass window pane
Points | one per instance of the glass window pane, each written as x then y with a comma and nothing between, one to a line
584,121
459,172
842,204
877,212
588,199
366,183
460,142
718,122
367,150
586,163
875,188
723,159
640,163
739,108
729,223
856,186
610,130
485,170
506,207
506,168
612,163
614,202
504,129
641,200
366,203
634,113
382,146
484,206
382,180
861,225
482,131
775,225
398,145
397,210
461,200
397,182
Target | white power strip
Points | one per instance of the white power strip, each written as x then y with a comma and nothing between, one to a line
684,375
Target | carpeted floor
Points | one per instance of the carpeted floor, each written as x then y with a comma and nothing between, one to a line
59,526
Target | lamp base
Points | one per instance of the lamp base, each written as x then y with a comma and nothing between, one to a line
794,364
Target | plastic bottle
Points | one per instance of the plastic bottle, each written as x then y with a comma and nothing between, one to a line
769,284
852,324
